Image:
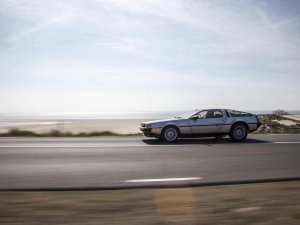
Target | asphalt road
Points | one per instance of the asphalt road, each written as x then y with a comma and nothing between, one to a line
112,162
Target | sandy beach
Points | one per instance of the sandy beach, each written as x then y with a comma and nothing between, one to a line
292,117
122,126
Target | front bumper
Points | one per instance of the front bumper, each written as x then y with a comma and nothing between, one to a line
145,129
148,132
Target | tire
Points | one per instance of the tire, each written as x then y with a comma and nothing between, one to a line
238,132
170,134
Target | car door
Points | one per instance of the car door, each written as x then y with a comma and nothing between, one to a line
207,122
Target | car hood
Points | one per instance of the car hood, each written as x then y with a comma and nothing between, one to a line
164,120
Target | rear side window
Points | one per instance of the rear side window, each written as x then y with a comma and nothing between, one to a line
235,113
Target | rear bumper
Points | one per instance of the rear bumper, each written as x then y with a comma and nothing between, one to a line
254,126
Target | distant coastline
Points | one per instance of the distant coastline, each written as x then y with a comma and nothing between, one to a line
111,115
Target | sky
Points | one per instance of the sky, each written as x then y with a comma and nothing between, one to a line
89,56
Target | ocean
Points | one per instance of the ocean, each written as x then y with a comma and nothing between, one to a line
111,115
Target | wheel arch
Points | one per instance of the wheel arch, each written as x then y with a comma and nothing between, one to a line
239,122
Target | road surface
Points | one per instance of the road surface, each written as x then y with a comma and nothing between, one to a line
113,162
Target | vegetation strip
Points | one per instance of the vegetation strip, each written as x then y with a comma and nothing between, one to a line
56,133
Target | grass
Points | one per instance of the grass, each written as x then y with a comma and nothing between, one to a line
267,203
57,133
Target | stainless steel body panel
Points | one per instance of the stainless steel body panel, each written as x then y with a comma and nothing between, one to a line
185,130
203,126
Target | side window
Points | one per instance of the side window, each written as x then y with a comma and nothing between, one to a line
202,114
217,114
206,114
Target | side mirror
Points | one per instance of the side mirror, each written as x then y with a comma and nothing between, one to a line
195,117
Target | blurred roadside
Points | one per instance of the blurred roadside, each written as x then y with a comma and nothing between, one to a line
271,123
266,203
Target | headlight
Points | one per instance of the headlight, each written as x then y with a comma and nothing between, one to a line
146,125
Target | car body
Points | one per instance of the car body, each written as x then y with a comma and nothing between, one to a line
206,122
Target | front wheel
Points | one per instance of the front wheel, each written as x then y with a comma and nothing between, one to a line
238,132
170,134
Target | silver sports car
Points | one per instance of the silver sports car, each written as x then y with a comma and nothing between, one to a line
207,122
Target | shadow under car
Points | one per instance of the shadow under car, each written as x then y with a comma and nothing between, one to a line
201,141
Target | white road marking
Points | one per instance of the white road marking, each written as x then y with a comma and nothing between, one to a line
247,209
163,179
287,142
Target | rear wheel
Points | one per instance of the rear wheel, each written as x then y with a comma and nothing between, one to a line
238,132
170,134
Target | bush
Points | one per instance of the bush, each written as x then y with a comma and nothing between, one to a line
280,112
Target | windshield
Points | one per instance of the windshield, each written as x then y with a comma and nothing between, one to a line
188,114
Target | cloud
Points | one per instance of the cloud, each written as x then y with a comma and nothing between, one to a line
34,18
231,27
